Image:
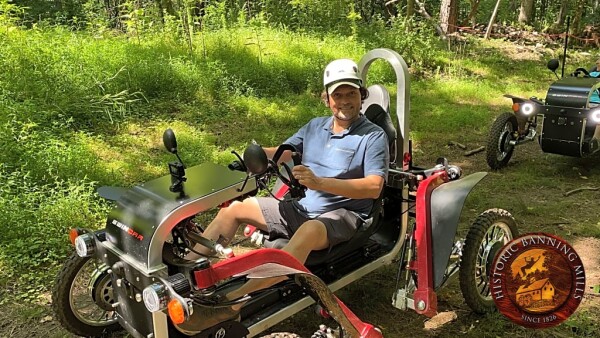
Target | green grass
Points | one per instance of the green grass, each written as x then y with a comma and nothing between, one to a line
78,111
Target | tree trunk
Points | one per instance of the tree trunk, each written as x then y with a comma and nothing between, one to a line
410,8
543,8
161,11
472,13
168,6
448,16
580,7
492,19
562,13
526,12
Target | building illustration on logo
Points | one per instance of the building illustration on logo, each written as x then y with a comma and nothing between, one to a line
541,290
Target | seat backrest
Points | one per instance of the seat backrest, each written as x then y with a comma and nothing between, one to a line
376,108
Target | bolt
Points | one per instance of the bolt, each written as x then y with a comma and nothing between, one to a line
421,305
138,297
119,282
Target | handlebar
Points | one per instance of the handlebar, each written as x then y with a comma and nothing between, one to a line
297,190
413,176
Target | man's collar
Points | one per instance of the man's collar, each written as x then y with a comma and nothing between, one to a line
329,125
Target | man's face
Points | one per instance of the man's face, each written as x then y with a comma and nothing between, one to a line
345,103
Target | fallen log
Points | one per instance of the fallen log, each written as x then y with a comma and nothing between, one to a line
474,151
574,191
460,145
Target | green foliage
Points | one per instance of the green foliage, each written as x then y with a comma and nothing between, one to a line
415,40
10,13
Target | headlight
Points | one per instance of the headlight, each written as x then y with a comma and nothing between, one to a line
155,297
595,116
527,108
85,245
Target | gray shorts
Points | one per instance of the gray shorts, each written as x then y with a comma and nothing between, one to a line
283,220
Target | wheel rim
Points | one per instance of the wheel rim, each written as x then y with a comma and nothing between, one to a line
504,146
91,295
497,235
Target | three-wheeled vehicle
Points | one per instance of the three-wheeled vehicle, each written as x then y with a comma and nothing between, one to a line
570,120
132,275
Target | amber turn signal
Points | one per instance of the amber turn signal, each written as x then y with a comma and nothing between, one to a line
516,107
176,311
73,233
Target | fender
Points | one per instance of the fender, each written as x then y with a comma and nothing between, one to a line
515,99
447,202
267,263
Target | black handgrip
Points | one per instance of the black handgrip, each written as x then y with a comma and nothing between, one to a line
296,189
237,165
297,158
280,151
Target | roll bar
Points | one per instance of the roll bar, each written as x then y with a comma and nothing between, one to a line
402,94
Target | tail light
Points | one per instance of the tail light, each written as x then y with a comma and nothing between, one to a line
406,158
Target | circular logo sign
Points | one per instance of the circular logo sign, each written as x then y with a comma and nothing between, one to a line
537,280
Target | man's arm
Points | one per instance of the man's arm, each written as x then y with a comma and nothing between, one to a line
357,188
285,157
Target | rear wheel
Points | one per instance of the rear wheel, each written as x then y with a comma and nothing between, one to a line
82,298
499,150
488,234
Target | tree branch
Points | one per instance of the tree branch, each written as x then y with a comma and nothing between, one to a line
421,10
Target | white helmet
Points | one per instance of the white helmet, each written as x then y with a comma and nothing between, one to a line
341,72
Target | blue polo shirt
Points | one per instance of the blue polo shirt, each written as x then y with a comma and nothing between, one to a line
595,97
357,152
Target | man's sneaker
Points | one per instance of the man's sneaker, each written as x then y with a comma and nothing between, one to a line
206,317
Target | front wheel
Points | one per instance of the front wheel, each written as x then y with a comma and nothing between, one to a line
82,298
487,235
498,149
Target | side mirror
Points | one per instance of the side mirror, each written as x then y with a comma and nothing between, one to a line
255,159
170,141
553,64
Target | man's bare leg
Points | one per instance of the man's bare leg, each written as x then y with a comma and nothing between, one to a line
228,220
312,235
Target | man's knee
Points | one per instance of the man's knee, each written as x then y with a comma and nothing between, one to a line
235,209
313,232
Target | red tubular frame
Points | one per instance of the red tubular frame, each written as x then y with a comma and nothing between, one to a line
237,265
424,265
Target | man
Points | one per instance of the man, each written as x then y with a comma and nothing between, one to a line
344,167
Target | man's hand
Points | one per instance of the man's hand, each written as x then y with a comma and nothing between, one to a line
306,177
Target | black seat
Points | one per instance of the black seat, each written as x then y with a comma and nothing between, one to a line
377,109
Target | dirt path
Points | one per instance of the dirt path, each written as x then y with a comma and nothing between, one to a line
588,249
